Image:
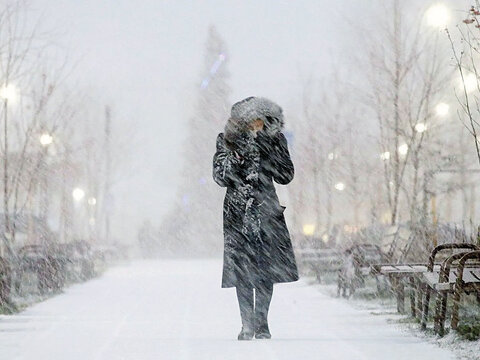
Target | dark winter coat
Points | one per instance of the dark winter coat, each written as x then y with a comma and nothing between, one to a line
248,259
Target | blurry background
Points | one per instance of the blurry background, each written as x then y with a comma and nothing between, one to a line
138,92
148,61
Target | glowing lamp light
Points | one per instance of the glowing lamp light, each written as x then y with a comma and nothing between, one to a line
78,194
470,82
46,139
340,186
420,128
309,229
403,149
92,201
438,16
8,92
442,109
350,229
385,155
332,156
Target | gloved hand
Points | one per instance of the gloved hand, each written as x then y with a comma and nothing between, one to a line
265,143
245,146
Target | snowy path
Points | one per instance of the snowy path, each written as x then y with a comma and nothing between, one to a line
176,310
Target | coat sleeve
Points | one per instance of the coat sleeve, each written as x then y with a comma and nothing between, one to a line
282,165
225,164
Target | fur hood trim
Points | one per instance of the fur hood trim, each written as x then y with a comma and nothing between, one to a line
253,108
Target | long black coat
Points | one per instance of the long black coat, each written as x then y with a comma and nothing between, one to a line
274,259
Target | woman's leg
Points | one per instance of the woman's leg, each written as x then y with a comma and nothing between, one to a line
246,303
263,297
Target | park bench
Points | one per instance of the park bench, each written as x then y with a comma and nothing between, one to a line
81,261
400,276
409,275
358,260
5,280
41,261
458,274
320,261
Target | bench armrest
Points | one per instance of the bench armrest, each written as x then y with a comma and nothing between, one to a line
461,265
444,275
442,247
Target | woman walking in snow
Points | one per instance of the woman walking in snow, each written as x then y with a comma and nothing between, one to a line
257,247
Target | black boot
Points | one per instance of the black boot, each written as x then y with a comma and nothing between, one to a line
262,331
263,296
245,301
246,333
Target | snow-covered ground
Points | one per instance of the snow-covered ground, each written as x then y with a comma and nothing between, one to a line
177,310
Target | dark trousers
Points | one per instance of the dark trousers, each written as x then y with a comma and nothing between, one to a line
254,307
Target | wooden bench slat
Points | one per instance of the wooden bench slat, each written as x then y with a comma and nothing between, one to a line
404,269
470,275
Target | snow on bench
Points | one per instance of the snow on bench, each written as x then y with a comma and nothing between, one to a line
470,275
457,279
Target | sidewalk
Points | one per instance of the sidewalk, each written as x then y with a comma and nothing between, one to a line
177,310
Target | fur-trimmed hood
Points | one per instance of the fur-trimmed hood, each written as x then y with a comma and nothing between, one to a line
253,108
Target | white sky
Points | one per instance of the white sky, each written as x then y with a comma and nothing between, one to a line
145,58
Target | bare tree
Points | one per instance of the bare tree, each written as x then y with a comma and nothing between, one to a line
25,94
466,56
407,75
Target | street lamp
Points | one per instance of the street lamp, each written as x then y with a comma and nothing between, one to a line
325,238
308,229
46,139
78,194
438,16
403,149
420,128
469,82
340,186
8,92
442,109
332,156
92,201
385,155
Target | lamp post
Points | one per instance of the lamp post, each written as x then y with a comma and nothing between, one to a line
7,93
45,139
78,195
108,202
92,209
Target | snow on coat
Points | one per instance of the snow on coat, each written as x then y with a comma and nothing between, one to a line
257,244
